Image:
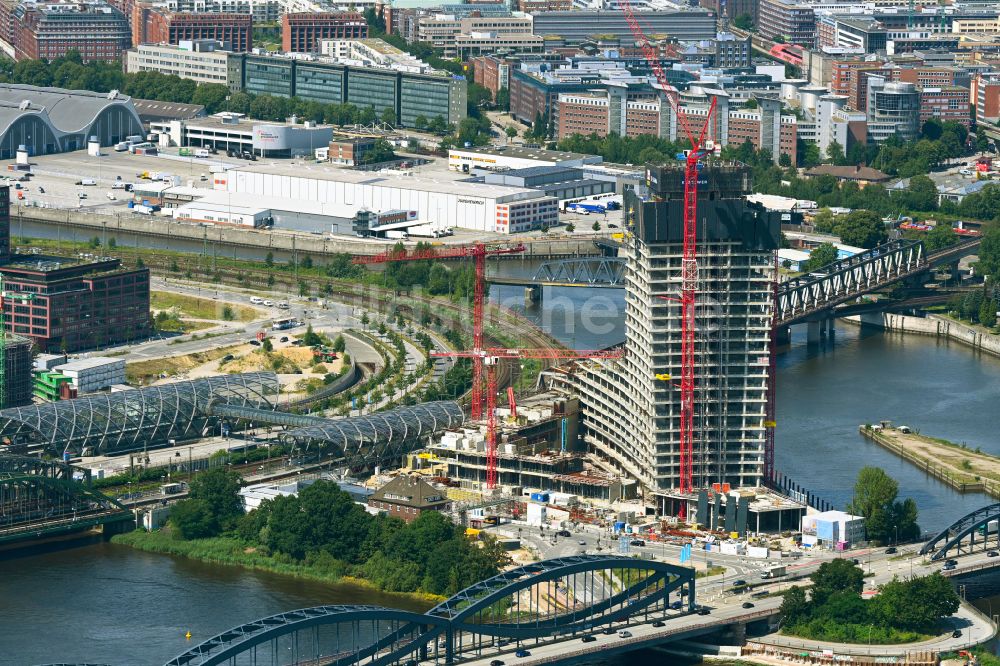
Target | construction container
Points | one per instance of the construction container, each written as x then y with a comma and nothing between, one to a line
95,373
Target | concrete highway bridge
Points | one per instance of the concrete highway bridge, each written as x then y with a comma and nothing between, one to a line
544,609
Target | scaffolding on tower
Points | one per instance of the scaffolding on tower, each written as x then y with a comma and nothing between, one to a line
700,148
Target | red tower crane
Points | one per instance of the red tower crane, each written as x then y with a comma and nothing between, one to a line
689,262
478,252
490,359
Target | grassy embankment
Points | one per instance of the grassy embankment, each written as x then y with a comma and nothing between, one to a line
232,552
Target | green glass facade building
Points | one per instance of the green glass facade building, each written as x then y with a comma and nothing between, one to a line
409,95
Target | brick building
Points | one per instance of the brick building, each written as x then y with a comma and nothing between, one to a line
71,304
407,497
925,76
986,96
792,21
491,72
154,25
97,30
844,78
301,32
946,103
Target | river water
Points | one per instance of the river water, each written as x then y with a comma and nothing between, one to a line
110,604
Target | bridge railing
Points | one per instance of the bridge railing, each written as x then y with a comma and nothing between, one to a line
848,278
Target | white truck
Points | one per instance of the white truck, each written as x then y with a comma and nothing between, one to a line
774,572
396,235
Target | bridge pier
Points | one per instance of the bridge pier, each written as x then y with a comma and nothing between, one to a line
532,294
783,336
830,328
813,329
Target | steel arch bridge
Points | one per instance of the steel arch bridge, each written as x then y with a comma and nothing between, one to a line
40,498
965,528
540,601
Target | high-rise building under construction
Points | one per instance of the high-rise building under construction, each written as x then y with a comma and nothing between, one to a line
631,409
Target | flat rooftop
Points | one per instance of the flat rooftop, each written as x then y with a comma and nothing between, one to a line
88,363
375,179
521,152
217,122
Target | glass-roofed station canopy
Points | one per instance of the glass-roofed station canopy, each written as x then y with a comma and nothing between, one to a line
108,423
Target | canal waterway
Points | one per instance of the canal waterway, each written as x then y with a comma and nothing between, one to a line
110,604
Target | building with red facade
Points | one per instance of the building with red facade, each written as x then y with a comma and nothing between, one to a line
491,72
933,77
98,31
985,94
65,304
301,32
844,77
154,25
407,497
947,104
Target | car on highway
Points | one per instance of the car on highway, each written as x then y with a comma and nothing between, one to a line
589,639
609,631
268,303
624,633
496,662
954,563
891,550
948,567
677,605
704,611
957,633
638,542
521,654
992,553
739,582
659,623
582,542
747,604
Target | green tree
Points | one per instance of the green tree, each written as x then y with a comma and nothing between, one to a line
269,260
823,220
743,22
822,255
193,519
267,345
988,313
311,338
510,131
862,228
940,237
921,194
339,345
794,607
503,99
364,320
835,153
989,248
596,226
227,313
388,116
570,228
218,489
420,122
836,576
874,499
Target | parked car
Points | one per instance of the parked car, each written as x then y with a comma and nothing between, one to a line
676,605
255,343
739,582
496,662
582,542
638,542
609,631
992,553
563,533
283,338
704,611
659,623
951,562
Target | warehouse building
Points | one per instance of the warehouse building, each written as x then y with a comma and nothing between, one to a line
476,206
54,120
502,158
555,181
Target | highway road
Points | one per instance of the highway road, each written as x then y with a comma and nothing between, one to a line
717,593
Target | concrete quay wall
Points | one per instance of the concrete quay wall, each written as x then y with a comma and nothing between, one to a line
934,325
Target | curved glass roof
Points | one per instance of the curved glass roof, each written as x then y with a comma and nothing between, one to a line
107,423
364,438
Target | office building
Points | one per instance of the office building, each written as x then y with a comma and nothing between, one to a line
96,30
576,27
228,131
731,9
204,61
302,32
263,11
893,109
65,304
18,380
480,43
630,416
986,95
411,96
443,30
947,104
787,20
155,25
491,72
374,53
